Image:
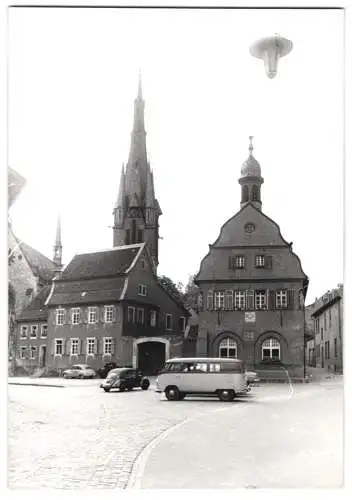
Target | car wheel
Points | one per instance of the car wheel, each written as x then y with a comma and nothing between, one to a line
145,385
226,395
122,388
129,388
65,375
172,393
106,389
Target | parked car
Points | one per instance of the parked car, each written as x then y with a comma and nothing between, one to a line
252,378
125,378
79,371
103,372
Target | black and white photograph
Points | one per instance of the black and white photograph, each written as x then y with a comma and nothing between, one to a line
175,229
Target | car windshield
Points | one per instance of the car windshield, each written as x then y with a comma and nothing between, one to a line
76,367
116,371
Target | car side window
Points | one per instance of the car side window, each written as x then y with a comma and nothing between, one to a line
201,367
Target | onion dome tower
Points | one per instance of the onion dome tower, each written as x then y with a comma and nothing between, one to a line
251,180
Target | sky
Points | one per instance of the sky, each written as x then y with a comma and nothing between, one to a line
73,76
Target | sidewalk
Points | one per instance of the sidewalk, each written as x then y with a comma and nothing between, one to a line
61,382
320,374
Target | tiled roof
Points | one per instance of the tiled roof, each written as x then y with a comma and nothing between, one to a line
101,264
16,182
36,309
87,291
40,265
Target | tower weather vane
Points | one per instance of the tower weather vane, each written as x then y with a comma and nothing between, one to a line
270,49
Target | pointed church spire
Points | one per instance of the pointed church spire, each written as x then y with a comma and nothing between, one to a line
140,84
149,192
120,202
58,246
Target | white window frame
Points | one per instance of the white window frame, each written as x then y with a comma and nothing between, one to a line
259,261
139,311
153,314
183,323
131,308
60,316
240,300
56,354
23,352
271,344
168,315
108,314
32,350
219,300
260,301
31,330
92,315
281,299
228,343
41,331
107,343
229,300
75,314
88,344
240,261
74,342
142,290
24,328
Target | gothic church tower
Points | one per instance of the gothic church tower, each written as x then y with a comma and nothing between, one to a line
137,211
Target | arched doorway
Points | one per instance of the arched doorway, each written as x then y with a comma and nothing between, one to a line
149,354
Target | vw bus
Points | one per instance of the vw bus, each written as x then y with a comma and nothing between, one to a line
221,377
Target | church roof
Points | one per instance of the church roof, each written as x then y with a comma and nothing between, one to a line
36,309
16,182
103,263
41,266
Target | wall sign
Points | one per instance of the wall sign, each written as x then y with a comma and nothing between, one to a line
249,317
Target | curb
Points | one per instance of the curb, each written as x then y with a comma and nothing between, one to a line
36,385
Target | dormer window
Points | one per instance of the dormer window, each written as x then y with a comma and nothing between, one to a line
259,261
142,290
240,261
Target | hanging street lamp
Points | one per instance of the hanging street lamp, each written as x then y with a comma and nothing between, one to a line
270,49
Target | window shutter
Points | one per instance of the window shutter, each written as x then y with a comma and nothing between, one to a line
101,345
113,346
249,299
79,346
68,346
96,346
54,317
290,299
113,314
268,261
102,311
210,301
97,317
230,262
63,347
272,300
68,316
52,352
81,312
85,315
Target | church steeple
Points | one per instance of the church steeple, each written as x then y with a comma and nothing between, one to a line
58,246
137,210
251,179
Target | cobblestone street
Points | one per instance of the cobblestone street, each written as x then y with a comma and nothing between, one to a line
81,437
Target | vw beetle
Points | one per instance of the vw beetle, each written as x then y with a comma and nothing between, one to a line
125,379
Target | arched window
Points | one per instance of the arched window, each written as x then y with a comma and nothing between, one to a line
255,193
228,348
245,194
271,350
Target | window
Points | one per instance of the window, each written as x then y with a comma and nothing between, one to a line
245,194
107,345
259,261
219,302
91,346
59,347
22,352
200,367
281,299
271,350
32,351
74,347
228,348
330,318
214,367
92,315
142,290
168,321
240,300
140,316
210,300
239,261
335,348
44,331
24,331
60,316
75,315
152,318
33,331
255,193
108,314
229,300
130,314
182,323
327,349
260,299
321,333
325,313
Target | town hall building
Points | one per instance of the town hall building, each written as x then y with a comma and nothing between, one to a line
252,288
